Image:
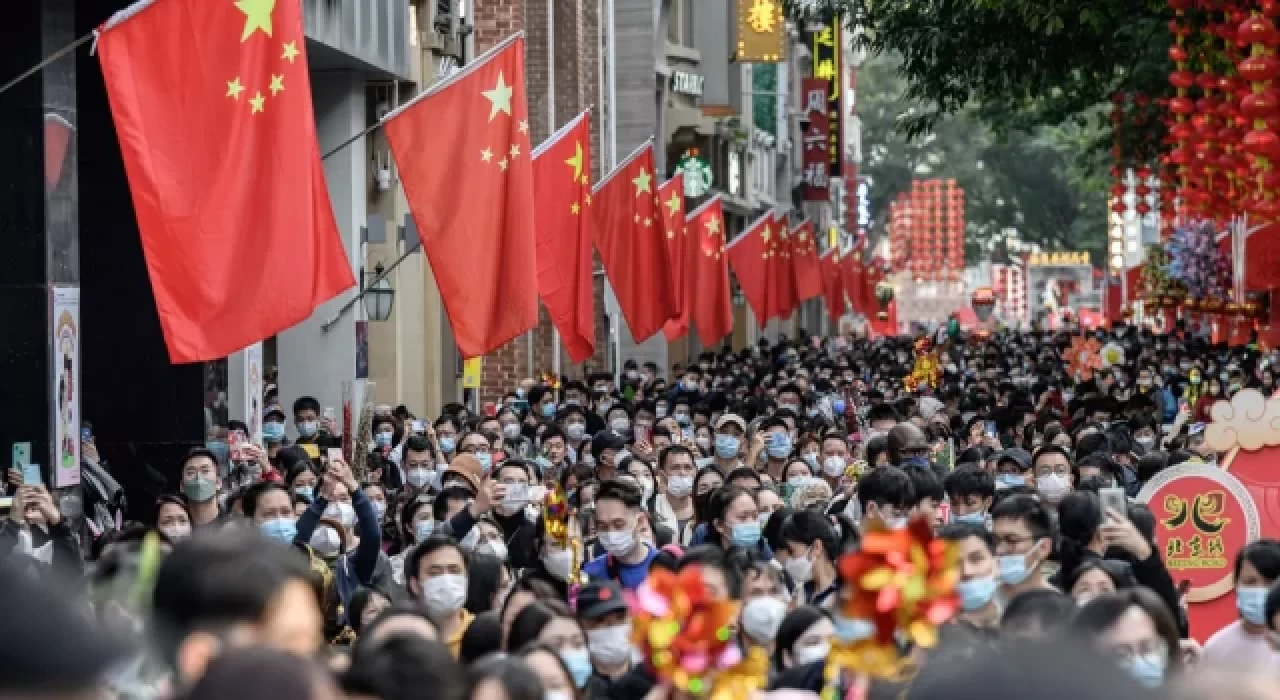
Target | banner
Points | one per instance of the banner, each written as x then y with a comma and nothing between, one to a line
827,65
253,392
815,140
66,385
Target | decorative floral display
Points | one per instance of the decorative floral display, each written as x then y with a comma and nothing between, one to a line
927,369
1083,357
684,631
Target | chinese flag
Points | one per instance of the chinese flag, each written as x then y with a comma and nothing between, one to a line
562,184
784,272
212,106
671,196
464,157
832,284
628,234
708,267
804,255
750,256
851,269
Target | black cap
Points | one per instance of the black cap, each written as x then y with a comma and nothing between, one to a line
600,598
1017,455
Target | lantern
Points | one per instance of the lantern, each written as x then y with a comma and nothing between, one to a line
884,295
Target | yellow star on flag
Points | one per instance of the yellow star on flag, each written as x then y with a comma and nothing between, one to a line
486,155
234,88
574,207
499,97
257,102
277,84
503,164
673,204
576,161
643,182
713,226
515,150
586,198
765,233
257,17
290,51
648,221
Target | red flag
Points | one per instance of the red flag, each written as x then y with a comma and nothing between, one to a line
851,268
464,157
212,105
784,273
628,234
671,197
750,256
804,253
562,185
708,267
832,284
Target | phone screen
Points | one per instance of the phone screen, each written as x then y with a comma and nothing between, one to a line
990,429
31,474
21,454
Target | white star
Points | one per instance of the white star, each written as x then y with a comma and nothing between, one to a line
503,164
486,155
499,97
524,126
515,150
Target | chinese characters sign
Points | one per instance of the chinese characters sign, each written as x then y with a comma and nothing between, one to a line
1204,516
762,31
815,140
827,65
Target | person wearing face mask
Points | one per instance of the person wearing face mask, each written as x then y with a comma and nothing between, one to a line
604,615
1023,531
730,430
909,449
384,436
436,575
803,638
312,427
1245,642
735,520
273,431
1135,628
886,494
417,523
813,545
338,496
200,484
1054,478
173,520
776,438
514,479
1013,469
673,508
970,491
444,433
976,549
618,515
765,604
577,432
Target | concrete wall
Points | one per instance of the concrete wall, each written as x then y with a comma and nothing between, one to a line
312,361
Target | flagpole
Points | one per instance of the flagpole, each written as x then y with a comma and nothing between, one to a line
551,123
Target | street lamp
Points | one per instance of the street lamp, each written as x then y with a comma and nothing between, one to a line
379,296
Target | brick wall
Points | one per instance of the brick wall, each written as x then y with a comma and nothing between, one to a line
577,80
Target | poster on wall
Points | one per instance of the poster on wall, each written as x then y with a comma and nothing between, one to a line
66,382
253,391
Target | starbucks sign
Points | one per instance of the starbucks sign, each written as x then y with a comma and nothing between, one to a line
697,175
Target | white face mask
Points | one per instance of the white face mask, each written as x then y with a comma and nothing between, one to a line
444,594
419,477
176,532
833,466
610,645
511,431
1053,487
342,512
762,616
493,547
800,569
559,563
680,486
619,544
326,542
810,654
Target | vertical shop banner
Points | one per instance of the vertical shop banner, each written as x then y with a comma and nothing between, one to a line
253,391
815,140
66,384
828,65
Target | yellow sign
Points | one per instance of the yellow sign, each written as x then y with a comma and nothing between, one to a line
762,31
471,373
1059,258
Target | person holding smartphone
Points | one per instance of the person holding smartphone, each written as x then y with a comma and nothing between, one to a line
314,428
35,528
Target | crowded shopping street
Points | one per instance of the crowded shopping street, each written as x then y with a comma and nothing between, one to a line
640,350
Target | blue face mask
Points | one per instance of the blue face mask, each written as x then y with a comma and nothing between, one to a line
578,661
975,593
548,410
423,529
1148,669
1251,601
727,446
273,432
1010,480
850,629
308,491
280,529
975,518
837,407
745,534
448,443
486,460
779,446
1013,569
383,440
919,462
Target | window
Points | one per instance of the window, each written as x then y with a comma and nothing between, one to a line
680,22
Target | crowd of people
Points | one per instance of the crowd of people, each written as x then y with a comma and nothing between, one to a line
277,570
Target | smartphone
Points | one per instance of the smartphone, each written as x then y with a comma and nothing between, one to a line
328,412
642,432
86,434
21,454
334,454
989,429
234,441
1112,497
686,433
419,427
31,475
